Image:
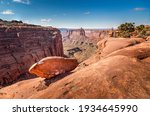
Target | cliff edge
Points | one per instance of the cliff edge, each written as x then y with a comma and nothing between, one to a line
21,45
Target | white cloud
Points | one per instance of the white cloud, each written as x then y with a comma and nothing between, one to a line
139,9
87,13
22,1
46,20
7,12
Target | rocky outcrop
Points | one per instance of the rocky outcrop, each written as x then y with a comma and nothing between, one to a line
84,39
114,77
84,35
119,69
52,66
148,38
22,45
123,73
140,51
107,46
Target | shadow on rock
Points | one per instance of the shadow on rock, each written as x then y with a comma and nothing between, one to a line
45,83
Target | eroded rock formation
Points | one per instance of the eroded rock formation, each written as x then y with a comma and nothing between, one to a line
84,39
84,35
51,66
148,38
22,45
107,46
114,77
123,73
119,69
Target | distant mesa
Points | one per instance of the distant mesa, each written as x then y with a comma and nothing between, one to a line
82,43
113,63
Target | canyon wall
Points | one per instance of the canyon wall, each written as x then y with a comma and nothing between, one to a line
119,70
22,45
89,35
82,43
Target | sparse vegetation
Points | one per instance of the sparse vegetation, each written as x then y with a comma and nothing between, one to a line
141,31
15,23
127,30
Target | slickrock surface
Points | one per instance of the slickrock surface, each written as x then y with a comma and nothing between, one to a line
107,46
21,45
51,66
124,73
22,89
140,51
114,77
148,38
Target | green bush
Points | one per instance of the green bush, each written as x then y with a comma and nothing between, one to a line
141,31
126,29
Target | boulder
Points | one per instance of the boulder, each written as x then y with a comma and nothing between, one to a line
122,74
114,77
51,66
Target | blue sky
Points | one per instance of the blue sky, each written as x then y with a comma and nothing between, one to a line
77,13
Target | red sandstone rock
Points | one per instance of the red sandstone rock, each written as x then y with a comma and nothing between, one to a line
52,66
148,38
108,46
22,45
113,77
139,51
22,89
120,75
85,35
84,39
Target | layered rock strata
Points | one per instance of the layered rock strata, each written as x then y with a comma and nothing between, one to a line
22,45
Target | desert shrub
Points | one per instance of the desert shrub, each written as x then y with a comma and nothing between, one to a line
126,29
141,31
140,27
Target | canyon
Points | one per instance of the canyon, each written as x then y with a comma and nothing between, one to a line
108,67
21,45
121,73
82,43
